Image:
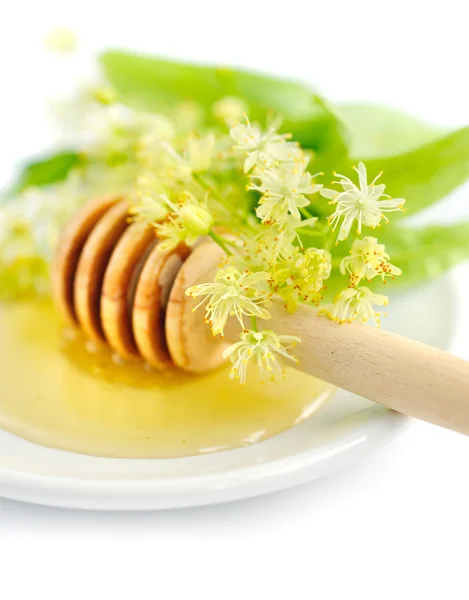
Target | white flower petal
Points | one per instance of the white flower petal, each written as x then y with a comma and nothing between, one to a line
331,194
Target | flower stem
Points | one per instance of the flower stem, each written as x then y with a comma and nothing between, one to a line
329,241
204,184
311,232
220,241
305,212
253,323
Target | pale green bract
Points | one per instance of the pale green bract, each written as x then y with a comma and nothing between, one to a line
246,160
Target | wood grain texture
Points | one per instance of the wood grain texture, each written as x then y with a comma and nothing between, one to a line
408,376
92,265
150,301
190,341
69,250
120,279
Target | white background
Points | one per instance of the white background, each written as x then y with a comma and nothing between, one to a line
394,526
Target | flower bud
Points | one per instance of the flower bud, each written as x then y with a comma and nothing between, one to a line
196,219
104,95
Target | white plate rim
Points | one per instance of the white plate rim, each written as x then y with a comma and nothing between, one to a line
204,489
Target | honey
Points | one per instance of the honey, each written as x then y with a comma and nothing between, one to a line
58,389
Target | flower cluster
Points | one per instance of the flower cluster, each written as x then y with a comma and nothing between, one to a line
356,304
367,259
284,188
266,348
183,221
277,172
271,249
191,172
268,257
302,278
263,149
29,231
233,294
182,192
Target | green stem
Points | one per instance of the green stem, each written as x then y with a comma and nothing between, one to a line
329,241
220,241
204,184
253,323
311,232
305,212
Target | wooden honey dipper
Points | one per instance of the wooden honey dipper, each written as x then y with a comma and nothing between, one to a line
110,279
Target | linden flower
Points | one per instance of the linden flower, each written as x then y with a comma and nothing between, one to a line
266,348
22,268
368,259
151,206
283,185
188,116
356,304
229,109
149,210
158,129
262,149
233,294
277,239
104,94
197,156
361,203
301,279
188,221
288,232
30,228
200,152
122,134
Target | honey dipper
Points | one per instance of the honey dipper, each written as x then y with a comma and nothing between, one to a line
110,279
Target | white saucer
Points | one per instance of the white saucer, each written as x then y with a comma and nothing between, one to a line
347,428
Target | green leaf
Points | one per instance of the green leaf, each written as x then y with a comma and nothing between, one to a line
425,253
47,170
155,84
427,174
383,131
